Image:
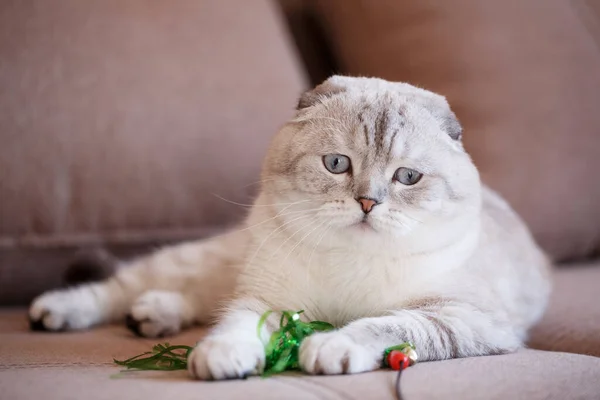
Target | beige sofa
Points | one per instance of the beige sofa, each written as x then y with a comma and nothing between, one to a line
122,123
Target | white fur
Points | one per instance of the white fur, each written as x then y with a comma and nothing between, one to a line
445,264
161,313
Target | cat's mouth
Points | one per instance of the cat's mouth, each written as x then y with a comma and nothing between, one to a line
365,225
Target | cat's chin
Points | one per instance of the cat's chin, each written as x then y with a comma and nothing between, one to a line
365,226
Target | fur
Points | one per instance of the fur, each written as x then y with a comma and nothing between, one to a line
444,263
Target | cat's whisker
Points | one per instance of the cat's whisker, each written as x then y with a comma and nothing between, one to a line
278,215
259,205
413,218
279,228
291,236
308,263
257,182
302,239
397,223
411,223
403,213
308,224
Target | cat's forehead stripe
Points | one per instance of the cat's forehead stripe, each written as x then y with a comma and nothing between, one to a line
381,128
366,133
392,143
381,136
365,128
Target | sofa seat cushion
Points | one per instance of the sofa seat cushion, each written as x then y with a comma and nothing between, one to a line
572,321
78,365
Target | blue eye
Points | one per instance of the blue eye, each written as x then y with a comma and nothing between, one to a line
407,176
336,163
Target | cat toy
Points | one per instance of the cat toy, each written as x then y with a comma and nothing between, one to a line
281,352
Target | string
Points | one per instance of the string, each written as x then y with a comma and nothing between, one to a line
398,391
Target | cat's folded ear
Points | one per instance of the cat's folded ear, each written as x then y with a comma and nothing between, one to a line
436,104
329,88
439,108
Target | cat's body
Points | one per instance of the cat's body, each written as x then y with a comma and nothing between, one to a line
371,216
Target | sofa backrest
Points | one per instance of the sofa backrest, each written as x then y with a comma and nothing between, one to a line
523,77
122,122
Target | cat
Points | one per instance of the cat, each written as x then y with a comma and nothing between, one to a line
370,216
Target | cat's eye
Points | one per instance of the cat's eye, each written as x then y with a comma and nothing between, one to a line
336,163
407,176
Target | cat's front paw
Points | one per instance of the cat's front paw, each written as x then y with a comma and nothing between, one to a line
158,313
226,357
336,352
62,311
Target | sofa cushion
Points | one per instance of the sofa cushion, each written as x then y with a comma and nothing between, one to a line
76,365
122,123
524,78
572,321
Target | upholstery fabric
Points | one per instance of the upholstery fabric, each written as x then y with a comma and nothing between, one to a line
572,321
523,77
131,117
124,121
78,365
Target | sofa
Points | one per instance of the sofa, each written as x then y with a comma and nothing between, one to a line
126,126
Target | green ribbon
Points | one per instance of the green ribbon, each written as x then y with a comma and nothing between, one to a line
281,351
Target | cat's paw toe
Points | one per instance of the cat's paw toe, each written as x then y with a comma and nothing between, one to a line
226,358
157,313
37,323
335,353
58,311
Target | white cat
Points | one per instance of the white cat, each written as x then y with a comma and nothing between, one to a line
370,216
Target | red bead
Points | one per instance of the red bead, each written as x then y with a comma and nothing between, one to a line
398,360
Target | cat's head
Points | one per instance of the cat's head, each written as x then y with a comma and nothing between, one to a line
365,156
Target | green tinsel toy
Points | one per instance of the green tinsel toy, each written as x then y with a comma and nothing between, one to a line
281,352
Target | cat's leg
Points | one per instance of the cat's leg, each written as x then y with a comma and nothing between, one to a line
439,330
162,292
235,347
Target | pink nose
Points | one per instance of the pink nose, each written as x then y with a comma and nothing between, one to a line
366,204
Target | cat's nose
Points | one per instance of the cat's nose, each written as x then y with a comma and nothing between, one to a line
367,204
